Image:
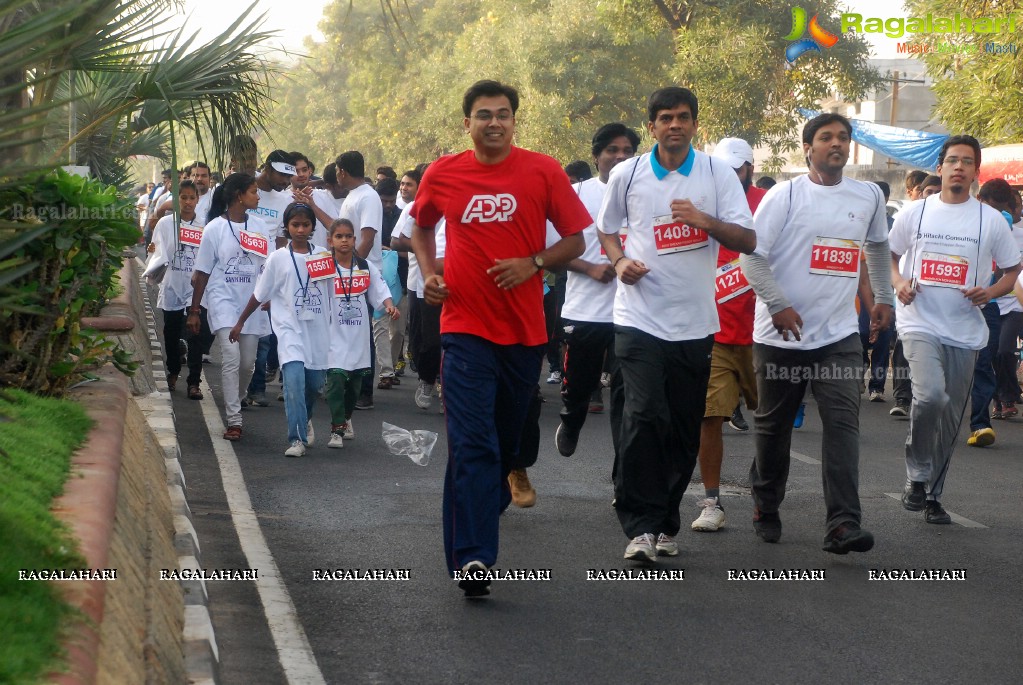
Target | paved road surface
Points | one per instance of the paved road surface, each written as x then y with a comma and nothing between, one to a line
362,508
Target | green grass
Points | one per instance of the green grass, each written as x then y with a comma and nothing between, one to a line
37,438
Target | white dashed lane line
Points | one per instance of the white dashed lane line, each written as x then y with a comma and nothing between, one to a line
956,518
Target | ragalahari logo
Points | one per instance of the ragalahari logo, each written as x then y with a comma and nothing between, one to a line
819,38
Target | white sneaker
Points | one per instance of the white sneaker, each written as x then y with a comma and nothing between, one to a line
554,378
297,449
666,545
711,518
349,430
424,395
310,434
642,548
605,379
336,441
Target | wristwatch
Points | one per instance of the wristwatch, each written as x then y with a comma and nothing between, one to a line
537,262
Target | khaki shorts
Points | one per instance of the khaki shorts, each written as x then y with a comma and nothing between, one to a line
731,374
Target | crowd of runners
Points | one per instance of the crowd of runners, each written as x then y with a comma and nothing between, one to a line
668,280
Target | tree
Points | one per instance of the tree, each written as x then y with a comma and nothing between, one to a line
731,53
397,96
977,91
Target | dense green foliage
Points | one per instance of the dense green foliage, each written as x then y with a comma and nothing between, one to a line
978,91
44,347
390,84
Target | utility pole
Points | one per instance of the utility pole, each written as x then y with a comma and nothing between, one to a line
895,108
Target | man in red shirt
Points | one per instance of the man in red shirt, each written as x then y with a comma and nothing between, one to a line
496,199
731,365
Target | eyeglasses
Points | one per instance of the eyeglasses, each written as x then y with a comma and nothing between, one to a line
952,161
487,115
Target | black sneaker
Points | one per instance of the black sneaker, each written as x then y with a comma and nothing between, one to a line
737,421
900,409
767,525
914,495
848,537
935,513
566,440
476,584
364,402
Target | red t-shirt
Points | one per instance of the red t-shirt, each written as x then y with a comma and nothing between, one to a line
496,211
736,315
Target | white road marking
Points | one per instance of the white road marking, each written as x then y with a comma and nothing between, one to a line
293,648
803,458
956,518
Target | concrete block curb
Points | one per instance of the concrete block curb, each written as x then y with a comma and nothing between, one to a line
202,657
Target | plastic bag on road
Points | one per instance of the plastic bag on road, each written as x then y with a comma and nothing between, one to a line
416,444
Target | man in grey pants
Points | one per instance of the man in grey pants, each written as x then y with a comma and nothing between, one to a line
948,243
805,272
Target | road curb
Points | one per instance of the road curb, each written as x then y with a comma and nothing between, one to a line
201,653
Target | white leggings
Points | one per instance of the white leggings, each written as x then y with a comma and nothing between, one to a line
237,363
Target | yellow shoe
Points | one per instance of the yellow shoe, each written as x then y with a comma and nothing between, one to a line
523,494
981,438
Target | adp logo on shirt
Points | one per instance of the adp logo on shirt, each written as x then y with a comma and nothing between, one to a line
486,208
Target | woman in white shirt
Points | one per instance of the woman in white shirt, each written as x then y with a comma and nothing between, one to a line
232,254
175,245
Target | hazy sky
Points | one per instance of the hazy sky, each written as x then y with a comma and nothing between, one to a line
296,20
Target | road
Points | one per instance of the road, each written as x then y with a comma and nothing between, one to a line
363,508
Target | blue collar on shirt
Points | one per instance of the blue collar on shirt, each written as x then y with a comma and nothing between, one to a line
660,172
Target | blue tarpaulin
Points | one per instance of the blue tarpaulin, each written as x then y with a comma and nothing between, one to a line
918,149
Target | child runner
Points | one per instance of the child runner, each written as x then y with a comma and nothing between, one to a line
356,280
232,254
295,282
176,247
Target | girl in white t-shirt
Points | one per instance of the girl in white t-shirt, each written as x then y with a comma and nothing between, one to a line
295,283
355,282
232,254
175,244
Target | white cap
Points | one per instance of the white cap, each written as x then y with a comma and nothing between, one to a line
284,168
735,151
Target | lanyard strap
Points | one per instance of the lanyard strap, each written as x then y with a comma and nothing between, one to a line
305,288
231,226
341,279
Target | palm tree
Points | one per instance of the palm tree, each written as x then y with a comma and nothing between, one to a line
133,82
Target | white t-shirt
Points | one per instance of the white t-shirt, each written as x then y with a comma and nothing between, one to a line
812,236
271,211
675,300
326,201
363,208
176,286
404,229
950,249
299,310
1010,303
233,273
202,207
351,325
585,298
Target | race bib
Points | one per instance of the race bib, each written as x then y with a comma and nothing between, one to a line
320,269
672,236
357,284
835,257
730,282
254,243
944,270
190,235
